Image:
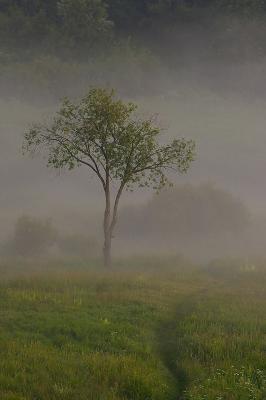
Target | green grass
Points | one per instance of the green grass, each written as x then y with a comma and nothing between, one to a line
153,330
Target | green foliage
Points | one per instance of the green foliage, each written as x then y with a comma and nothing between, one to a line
104,134
60,25
55,25
18,27
84,23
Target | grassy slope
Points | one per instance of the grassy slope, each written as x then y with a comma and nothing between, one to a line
133,335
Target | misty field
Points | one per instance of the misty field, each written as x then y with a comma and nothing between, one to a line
162,330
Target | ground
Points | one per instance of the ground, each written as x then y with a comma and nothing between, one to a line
147,330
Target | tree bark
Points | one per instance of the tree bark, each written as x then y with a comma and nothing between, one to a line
107,250
110,220
107,225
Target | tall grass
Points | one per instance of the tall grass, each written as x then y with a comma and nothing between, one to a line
148,330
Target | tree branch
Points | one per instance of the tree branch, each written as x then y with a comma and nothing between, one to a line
78,159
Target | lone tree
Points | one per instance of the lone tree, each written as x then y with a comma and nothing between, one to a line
105,135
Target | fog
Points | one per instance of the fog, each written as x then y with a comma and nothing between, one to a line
220,103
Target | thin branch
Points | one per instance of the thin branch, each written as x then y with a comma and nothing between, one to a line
80,160
88,154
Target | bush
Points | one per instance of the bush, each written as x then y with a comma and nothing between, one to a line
31,237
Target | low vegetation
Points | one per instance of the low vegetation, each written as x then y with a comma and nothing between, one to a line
148,329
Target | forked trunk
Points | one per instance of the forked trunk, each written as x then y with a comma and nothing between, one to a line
110,220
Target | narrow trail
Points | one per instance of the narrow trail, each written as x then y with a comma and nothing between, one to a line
168,346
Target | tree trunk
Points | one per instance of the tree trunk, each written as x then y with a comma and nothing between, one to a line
110,221
107,249
107,226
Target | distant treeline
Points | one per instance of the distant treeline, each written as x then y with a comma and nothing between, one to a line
84,26
55,48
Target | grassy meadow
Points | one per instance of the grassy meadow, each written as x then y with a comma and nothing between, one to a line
147,330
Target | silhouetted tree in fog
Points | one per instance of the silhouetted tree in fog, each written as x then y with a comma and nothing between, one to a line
105,135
